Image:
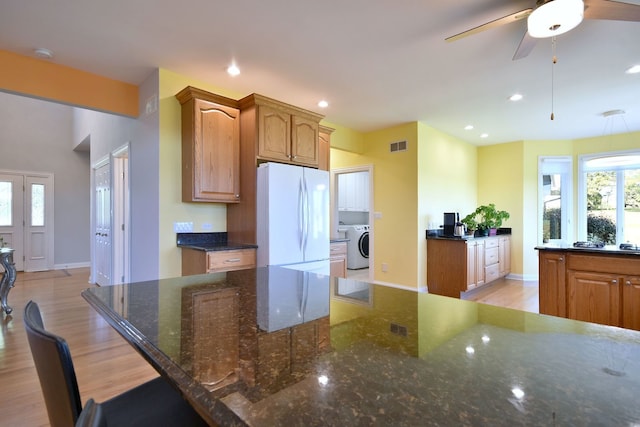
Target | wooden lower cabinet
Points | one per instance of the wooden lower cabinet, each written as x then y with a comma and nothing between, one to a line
551,272
200,262
338,259
593,297
631,302
602,289
459,265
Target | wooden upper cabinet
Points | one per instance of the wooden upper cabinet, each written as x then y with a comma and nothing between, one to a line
210,147
274,134
324,148
283,133
304,141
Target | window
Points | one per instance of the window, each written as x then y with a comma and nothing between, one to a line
6,207
610,198
554,190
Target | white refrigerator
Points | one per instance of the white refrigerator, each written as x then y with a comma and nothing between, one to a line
293,217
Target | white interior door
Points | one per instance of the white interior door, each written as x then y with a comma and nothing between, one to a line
38,223
121,235
102,235
11,215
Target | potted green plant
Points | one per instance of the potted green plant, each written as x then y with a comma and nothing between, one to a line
488,218
470,223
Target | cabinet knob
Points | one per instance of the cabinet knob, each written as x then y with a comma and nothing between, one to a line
295,157
628,282
237,196
614,281
560,259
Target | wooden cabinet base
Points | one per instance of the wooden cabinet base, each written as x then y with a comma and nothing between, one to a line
598,288
458,265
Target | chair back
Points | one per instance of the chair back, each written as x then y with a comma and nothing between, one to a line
53,363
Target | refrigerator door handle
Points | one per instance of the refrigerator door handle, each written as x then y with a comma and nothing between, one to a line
301,212
307,214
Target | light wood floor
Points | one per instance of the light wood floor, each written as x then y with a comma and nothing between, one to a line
105,364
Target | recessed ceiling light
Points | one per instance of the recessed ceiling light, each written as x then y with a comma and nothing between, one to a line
484,135
515,97
468,127
633,70
43,53
323,104
233,70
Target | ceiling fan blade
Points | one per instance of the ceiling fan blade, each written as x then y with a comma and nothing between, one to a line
525,47
611,10
495,23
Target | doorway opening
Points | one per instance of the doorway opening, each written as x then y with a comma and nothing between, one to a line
352,217
112,237
26,218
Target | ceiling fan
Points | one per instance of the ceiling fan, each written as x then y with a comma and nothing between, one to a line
549,18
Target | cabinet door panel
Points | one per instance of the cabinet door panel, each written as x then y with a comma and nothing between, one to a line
274,134
480,249
552,288
594,297
631,303
304,141
217,154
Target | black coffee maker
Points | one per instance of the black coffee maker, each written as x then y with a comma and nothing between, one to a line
449,224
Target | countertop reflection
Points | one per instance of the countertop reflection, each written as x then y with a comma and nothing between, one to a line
273,346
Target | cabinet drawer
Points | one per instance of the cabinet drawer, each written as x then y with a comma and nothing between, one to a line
491,242
491,273
491,256
231,260
339,248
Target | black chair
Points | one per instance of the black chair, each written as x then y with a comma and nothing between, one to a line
154,403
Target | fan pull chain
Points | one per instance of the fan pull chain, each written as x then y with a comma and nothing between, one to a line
554,60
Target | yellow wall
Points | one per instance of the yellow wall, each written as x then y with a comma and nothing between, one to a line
500,182
412,190
48,80
447,175
394,197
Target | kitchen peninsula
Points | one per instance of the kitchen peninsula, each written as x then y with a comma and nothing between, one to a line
600,285
315,356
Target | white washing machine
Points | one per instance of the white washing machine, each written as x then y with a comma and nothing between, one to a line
357,246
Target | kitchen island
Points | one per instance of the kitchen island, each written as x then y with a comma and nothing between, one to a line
272,346
593,284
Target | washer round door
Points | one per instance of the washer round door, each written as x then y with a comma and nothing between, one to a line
363,244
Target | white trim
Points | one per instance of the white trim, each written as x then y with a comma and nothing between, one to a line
334,211
403,287
562,165
72,265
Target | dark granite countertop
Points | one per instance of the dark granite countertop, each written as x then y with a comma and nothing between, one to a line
302,349
216,241
606,250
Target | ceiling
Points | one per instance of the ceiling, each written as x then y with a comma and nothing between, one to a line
377,62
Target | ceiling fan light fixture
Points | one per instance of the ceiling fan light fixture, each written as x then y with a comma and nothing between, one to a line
555,17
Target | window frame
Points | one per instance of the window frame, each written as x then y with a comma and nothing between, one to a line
620,192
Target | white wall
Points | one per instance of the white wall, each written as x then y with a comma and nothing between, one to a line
36,136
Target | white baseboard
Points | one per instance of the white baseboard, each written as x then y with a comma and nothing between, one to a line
395,285
72,265
522,277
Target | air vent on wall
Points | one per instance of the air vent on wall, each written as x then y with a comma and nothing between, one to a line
398,146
